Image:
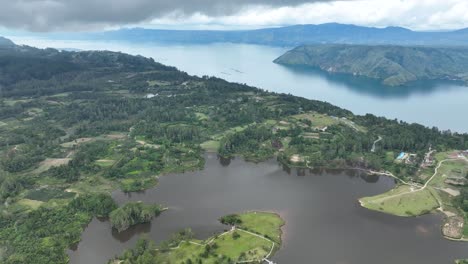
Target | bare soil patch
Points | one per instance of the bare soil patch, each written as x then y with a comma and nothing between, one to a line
453,227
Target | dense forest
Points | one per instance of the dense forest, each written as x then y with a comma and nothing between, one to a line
76,125
392,65
132,214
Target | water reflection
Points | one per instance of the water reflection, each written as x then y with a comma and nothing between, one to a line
135,230
370,178
225,161
374,88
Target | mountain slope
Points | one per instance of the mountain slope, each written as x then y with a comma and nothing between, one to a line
288,36
23,63
4,42
393,65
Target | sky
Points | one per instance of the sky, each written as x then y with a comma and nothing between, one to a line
97,15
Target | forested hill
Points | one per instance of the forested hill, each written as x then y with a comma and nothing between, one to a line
19,65
288,36
75,126
393,65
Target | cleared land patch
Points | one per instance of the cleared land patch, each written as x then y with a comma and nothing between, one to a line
210,145
33,204
76,142
49,163
402,201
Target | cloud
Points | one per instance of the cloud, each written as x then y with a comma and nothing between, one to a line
48,15
88,15
414,14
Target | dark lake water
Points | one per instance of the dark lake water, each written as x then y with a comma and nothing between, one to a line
438,104
324,222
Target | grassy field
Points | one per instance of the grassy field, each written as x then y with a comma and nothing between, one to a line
201,116
210,145
49,163
402,201
263,223
76,142
318,120
105,162
409,201
449,169
235,245
321,120
213,144
129,184
45,194
93,184
243,247
33,204
254,248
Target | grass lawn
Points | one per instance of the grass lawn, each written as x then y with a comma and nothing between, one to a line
76,142
105,162
266,224
93,184
402,202
184,252
253,247
465,226
201,116
389,156
454,168
158,82
137,184
237,245
318,120
49,163
230,130
210,145
33,204
270,122
45,194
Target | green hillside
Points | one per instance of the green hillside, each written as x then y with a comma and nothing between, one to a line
393,65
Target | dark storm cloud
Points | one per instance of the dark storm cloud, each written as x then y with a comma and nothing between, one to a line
46,15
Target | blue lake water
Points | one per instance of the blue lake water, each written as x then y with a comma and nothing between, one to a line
440,104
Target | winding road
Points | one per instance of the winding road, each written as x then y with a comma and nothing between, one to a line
420,188
230,231
375,142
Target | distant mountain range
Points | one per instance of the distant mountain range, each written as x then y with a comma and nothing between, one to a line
4,42
393,65
290,36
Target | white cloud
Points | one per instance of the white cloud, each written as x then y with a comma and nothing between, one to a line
69,15
414,14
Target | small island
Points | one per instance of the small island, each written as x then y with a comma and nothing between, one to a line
392,65
253,237
133,213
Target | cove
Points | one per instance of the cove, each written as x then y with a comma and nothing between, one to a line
324,222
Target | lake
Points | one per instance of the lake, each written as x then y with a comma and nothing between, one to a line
440,104
324,222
